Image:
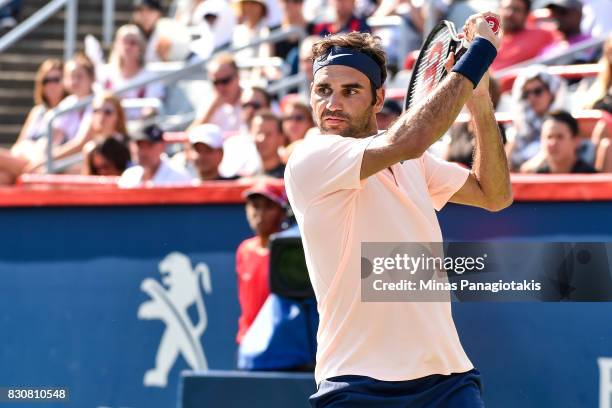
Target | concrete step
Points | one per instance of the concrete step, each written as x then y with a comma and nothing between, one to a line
13,115
9,133
22,97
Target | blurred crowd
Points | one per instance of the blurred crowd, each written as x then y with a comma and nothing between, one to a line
243,130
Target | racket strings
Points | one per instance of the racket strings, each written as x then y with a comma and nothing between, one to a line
430,69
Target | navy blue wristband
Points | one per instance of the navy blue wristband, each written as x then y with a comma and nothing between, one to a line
476,60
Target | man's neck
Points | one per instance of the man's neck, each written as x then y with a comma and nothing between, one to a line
211,175
341,22
271,162
564,165
149,172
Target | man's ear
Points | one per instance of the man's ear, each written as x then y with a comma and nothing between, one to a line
380,99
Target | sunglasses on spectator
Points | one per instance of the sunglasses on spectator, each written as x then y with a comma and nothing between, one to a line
223,81
295,118
294,1
52,80
535,92
254,105
105,111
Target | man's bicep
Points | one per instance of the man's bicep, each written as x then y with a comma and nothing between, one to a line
470,193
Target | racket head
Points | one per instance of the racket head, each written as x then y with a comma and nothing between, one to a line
429,69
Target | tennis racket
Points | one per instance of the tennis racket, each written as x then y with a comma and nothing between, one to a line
429,68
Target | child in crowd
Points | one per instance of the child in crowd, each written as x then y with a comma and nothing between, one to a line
265,211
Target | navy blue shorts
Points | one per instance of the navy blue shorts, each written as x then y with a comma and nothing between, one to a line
462,390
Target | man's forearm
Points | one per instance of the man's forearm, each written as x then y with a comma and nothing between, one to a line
490,165
420,127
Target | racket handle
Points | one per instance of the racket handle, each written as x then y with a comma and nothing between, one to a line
493,23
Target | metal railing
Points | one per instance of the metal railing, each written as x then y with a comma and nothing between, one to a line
190,68
574,49
40,17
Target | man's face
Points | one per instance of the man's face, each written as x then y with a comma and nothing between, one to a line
146,18
567,19
343,8
264,215
267,136
513,14
250,102
224,79
149,153
207,160
558,141
341,99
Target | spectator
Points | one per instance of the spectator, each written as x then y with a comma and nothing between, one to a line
462,141
126,65
265,211
567,15
166,39
79,77
206,152
154,168
223,109
108,157
266,129
602,87
107,121
297,120
535,93
519,43
241,157
559,144
305,63
216,22
252,26
344,20
293,17
9,14
31,142
146,15
389,113
70,129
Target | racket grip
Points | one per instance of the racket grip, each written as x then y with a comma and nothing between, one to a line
493,22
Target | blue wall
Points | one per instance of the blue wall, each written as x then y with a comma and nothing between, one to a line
70,293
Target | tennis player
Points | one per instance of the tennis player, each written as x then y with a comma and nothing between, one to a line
351,184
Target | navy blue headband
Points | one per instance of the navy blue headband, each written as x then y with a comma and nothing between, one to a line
350,57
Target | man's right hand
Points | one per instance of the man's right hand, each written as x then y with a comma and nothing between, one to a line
477,26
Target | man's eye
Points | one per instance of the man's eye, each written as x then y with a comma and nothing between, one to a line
351,91
323,91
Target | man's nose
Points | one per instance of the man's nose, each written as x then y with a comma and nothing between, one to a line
334,102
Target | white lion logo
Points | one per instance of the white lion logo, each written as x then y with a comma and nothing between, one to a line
170,305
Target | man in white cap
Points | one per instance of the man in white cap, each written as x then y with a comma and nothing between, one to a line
206,152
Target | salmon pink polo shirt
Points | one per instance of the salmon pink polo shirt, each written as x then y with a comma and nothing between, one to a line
336,212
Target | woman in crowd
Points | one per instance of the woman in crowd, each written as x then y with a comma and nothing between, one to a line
107,122
297,120
535,93
31,143
108,157
293,17
253,25
126,64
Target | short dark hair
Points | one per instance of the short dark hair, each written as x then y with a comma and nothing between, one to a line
264,93
266,114
112,150
564,117
527,4
362,42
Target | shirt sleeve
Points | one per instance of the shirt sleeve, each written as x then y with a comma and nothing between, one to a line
324,164
443,179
